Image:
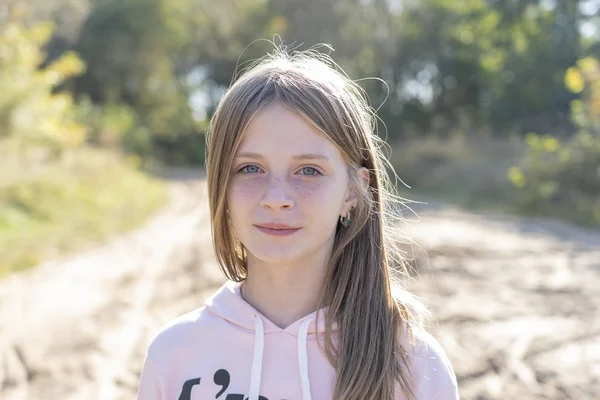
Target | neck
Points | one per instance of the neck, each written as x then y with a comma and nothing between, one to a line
285,292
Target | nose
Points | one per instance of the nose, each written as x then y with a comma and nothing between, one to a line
277,195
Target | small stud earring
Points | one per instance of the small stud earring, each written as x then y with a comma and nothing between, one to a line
347,220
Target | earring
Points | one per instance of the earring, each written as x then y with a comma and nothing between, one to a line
347,220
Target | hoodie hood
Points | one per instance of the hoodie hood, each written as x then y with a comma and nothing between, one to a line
228,304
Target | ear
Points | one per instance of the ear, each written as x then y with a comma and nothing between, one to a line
364,177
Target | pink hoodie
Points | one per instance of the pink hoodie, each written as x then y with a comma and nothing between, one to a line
227,350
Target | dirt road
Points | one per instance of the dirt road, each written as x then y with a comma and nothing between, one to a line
517,304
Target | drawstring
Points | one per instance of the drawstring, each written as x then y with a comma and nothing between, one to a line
259,343
303,359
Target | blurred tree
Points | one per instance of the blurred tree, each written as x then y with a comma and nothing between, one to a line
128,46
498,63
67,15
448,66
31,115
562,178
140,53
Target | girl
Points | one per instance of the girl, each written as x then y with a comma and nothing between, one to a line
302,217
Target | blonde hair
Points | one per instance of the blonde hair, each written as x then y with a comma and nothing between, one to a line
369,358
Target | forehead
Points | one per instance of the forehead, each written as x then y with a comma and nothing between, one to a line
276,129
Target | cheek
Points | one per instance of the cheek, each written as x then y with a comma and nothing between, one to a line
322,194
240,198
309,192
243,192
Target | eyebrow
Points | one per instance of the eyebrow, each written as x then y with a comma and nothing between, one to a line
304,156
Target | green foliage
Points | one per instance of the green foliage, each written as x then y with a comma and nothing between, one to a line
469,172
31,113
563,179
139,53
115,126
56,193
469,65
498,63
61,206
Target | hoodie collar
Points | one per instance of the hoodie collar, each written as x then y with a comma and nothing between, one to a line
228,303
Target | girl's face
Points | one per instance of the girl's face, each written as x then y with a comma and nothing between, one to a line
286,172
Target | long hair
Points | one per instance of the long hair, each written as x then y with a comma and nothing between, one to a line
369,358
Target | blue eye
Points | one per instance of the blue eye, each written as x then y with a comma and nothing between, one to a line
248,171
313,169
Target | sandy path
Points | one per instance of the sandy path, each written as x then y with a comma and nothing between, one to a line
517,304
76,329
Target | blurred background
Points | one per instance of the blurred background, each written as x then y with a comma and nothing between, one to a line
490,108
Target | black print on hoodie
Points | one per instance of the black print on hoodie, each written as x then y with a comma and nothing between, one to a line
221,378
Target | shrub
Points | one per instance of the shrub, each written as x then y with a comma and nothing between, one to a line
562,178
32,116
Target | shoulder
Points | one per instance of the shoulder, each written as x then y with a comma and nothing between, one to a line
177,334
432,373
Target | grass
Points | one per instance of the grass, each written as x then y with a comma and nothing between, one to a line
51,209
471,173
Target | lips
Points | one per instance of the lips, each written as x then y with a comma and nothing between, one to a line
278,226
276,229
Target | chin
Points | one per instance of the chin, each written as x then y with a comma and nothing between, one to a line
281,254
276,257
